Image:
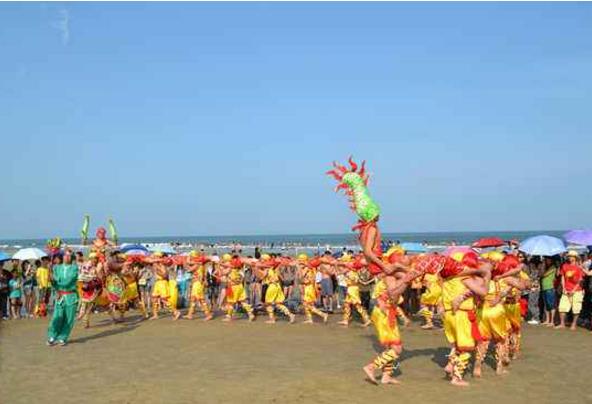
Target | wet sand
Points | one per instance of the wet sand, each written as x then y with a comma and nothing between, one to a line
195,362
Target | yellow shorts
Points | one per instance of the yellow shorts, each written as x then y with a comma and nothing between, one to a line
161,289
274,294
431,296
310,294
237,294
131,291
572,302
198,291
173,294
492,322
353,295
386,331
514,316
458,330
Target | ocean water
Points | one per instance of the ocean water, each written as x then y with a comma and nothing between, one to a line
294,242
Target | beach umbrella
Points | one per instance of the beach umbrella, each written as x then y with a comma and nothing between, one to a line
4,256
542,245
163,248
413,247
488,242
143,253
581,237
25,254
125,248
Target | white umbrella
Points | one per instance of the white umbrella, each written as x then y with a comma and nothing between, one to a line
543,245
25,254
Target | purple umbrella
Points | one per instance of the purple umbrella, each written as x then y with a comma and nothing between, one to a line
581,237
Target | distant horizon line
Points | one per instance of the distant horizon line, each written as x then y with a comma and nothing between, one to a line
303,234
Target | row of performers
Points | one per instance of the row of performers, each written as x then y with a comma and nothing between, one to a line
478,298
114,282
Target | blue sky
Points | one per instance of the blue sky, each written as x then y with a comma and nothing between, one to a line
218,119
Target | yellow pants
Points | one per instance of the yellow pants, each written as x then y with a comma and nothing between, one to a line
387,330
310,294
492,322
514,316
431,296
160,290
274,294
198,291
458,330
237,294
353,295
131,292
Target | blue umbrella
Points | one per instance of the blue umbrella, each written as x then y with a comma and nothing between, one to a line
543,245
129,247
4,256
414,247
137,251
165,248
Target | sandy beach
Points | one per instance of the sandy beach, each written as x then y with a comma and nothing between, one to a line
192,361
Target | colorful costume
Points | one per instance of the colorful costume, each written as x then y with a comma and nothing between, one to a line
430,298
384,318
310,296
235,293
91,287
274,295
460,326
64,278
43,291
164,292
131,293
198,292
492,323
352,298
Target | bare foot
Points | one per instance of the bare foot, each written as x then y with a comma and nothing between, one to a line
477,372
388,379
427,326
369,370
308,322
343,322
406,322
448,368
270,322
188,317
326,318
227,319
153,318
459,382
251,318
292,318
367,323
572,328
559,327
176,315
208,318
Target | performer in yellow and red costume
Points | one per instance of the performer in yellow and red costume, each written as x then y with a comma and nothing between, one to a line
196,266
307,274
460,319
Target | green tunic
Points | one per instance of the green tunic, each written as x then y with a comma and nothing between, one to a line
63,280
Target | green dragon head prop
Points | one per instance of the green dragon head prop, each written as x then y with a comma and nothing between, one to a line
355,184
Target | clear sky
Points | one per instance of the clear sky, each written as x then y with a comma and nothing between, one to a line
220,119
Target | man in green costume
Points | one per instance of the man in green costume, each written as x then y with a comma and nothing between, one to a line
64,277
